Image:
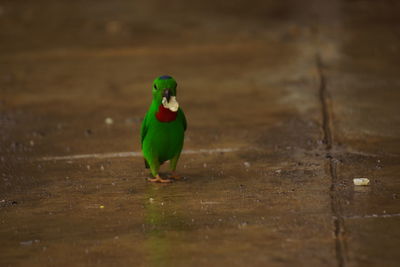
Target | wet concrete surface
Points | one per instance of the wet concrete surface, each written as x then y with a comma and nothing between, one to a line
302,97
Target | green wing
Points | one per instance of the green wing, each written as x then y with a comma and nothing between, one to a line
143,129
182,115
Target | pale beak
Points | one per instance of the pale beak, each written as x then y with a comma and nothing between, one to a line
167,94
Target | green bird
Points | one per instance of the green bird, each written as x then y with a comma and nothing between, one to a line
163,129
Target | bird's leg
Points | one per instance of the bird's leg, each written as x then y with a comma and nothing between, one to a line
154,167
173,162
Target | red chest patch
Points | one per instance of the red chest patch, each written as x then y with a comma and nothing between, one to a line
165,115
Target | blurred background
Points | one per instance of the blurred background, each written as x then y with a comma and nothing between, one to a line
302,97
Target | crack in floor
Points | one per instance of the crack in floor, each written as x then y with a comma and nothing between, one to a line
338,220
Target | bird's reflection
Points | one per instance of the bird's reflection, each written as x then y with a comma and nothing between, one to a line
156,242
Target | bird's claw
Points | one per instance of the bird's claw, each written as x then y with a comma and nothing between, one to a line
158,179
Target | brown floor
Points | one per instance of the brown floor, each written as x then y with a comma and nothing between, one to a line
302,96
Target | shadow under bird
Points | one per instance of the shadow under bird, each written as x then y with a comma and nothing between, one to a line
163,129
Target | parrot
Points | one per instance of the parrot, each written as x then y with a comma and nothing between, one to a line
163,129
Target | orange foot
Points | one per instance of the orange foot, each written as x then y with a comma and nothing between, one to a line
158,179
175,176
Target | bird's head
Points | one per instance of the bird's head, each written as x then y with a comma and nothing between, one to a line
164,92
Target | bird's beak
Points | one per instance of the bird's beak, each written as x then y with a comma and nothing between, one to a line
167,94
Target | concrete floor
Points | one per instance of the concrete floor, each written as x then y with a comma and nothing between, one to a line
286,101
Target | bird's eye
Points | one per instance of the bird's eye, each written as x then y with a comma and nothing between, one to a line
155,87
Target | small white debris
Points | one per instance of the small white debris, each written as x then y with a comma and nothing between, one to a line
109,121
32,143
209,202
278,171
246,164
26,243
102,168
242,225
29,242
204,165
88,167
172,104
151,200
361,181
